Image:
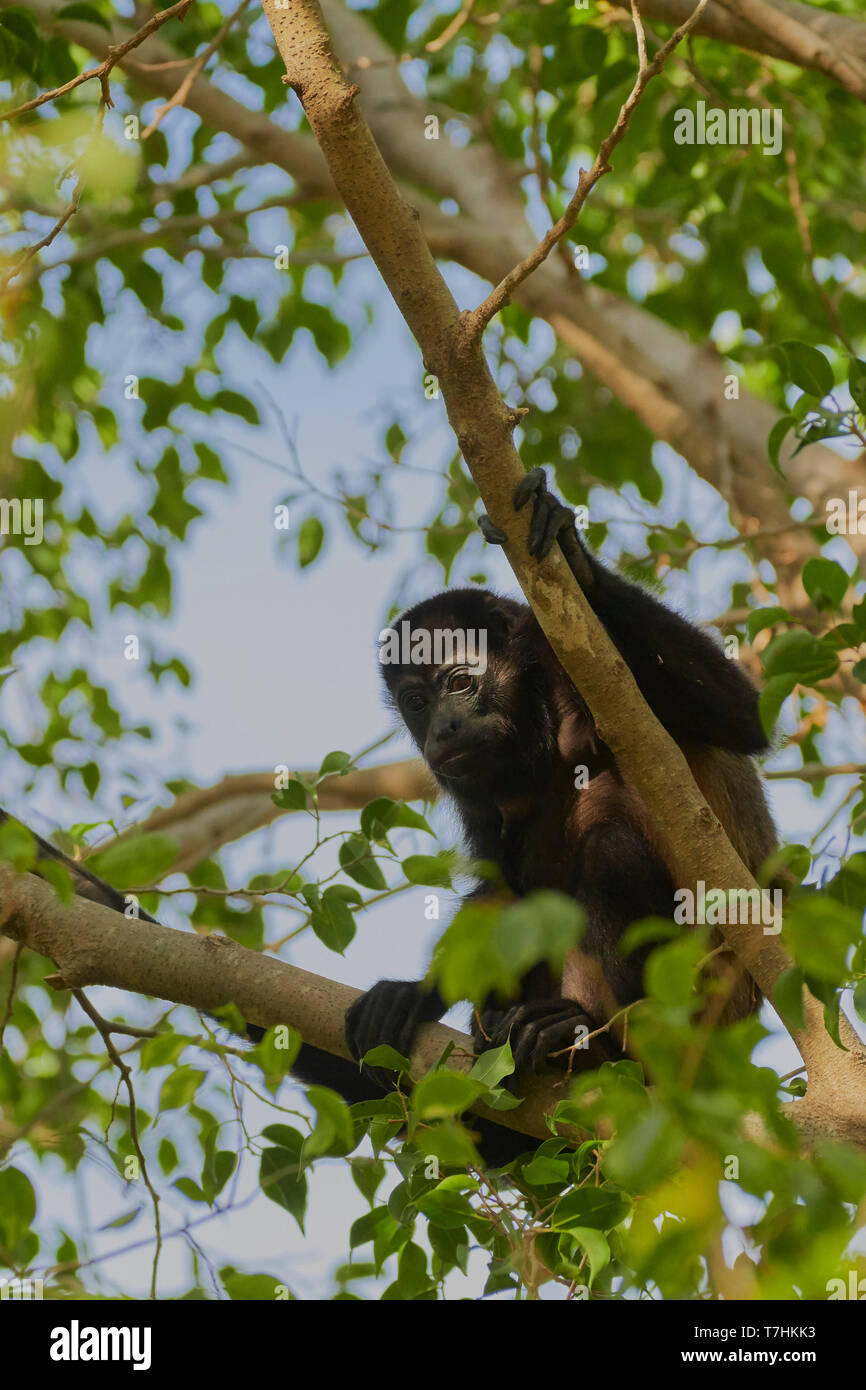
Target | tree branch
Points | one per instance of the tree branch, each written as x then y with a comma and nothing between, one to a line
115,54
587,179
844,33
804,45
483,426
201,821
93,945
676,387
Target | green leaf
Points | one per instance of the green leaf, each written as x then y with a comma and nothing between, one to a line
546,1170
825,582
357,861
367,1225
180,1088
282,1178
395,441
808,368
799,654
771,699
493,1066
291,797
445,1093
776,438
367,1174
334,762
310,538
382,815
17,1207
333,921
140,860
765,617
210,463
334,1132
235,404
259,1288
820,933
597,1207
596,1247
431,870
384,1055
647,1149
857,382
190,1189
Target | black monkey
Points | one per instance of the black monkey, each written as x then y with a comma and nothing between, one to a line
504,745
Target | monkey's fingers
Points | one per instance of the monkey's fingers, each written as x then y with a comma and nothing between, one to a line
388,1014
492,534
533,485
552,521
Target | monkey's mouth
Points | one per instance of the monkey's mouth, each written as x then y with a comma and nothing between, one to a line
457,765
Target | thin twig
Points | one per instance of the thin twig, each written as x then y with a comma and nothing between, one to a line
452,28
816,772
186,85
115,53
476,321
106,1029
32,251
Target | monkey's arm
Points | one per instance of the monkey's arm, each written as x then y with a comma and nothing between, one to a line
684,676
390,1013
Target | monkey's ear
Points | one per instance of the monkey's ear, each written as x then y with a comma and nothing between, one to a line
505,616
576,738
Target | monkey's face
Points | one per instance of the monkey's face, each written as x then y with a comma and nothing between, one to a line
466,682
467,723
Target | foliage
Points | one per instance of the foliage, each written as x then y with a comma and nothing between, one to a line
138,338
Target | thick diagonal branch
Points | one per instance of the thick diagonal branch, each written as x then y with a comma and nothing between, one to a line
483,426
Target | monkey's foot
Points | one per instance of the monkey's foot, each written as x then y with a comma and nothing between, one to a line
545,1027
388,1014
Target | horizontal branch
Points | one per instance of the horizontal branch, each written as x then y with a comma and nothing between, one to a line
845,33
92,945
203,820
816,772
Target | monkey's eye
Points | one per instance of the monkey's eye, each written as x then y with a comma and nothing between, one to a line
460,683
413,701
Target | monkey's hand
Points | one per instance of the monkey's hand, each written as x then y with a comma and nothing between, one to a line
551,521
389,1014
544,1033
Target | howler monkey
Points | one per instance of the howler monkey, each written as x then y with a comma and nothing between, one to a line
504,744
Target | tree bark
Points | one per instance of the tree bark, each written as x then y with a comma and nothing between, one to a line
93,945
483,426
